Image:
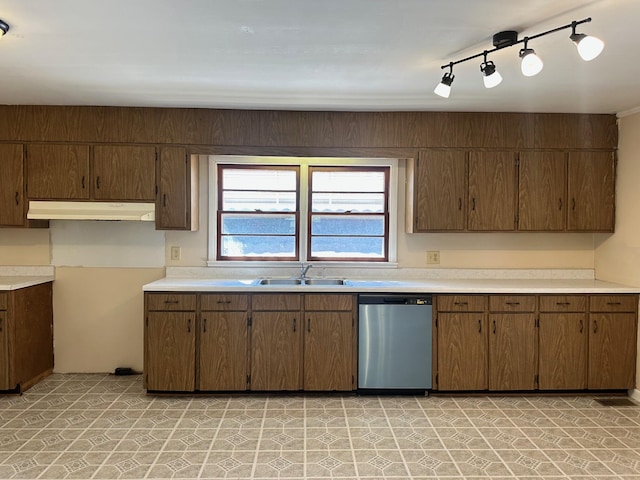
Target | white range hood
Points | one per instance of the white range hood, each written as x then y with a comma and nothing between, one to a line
50,210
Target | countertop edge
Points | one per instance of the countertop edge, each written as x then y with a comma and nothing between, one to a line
16,283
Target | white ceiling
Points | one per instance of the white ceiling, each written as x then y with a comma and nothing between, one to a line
313,54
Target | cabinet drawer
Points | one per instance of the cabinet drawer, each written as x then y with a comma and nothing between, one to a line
462,303
563,303
276,301
512,303
3,301
221,302
613,303
171,301
328,302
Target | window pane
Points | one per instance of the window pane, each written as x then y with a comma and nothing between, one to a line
347,225
347,181
258,179
258,201
258,224
257,246
347,247
348,202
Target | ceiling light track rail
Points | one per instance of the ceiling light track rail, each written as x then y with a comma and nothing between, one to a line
588,48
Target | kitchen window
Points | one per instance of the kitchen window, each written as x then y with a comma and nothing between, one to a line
268,209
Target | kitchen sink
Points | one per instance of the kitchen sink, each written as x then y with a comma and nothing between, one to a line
306,281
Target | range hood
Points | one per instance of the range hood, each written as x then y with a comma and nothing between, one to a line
49,210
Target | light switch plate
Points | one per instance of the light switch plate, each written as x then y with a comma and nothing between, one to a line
176,253
433,257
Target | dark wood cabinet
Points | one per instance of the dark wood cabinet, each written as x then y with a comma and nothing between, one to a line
329,342
542,191
224,347
12,201
492,191
170,340
58,172
123,173
177,181
26,336
440,191
591,191
462,342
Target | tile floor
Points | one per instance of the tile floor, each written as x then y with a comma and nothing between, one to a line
105,427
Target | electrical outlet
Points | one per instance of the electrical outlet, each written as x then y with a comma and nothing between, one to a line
175,253
433,257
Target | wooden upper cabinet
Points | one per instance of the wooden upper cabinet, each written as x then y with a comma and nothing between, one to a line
58,172
542,185
440,183
124,173
492,191
591,191
12,202
177,199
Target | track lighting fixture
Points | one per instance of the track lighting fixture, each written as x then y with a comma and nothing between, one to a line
588,48
444,87
4,28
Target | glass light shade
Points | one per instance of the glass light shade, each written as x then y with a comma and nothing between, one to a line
588,47
443,90
531,63
491,76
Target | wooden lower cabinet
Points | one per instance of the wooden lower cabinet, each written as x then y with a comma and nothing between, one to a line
26,336
612,347
223,344
512,351
563,351
462,351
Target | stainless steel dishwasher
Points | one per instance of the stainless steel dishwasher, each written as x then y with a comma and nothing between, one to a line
394,343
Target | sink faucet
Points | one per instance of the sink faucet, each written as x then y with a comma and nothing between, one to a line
304,268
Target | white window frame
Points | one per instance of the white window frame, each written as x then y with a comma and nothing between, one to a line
304,163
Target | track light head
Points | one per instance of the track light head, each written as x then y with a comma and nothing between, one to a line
4,28
444,87
531,63
491,76
588,47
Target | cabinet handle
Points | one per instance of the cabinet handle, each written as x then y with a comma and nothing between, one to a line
512,303
461,304
559,204
205,326
581,326
164,199
494,327
174,302
309,325
573,204
563,304
473,204
595,326
98,181
189,326
459,203
294,324
83,182
0,324
479,326
614,303
224,301
17,198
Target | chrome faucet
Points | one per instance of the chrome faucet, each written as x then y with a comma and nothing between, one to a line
304,268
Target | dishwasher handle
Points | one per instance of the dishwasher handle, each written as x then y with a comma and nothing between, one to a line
395,300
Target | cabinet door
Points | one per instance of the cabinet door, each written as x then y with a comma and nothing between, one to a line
276,351
542,185
4,352
223,351
591,191
11,186
171,348
612,350
328,351
58,172
492,191
440,191
563,351
462,351
124,173
177,190
512,351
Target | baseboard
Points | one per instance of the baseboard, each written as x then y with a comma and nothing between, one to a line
635,394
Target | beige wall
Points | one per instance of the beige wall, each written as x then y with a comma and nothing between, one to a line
98,311
617,256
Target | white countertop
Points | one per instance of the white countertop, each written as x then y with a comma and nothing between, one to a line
507,286
15,282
